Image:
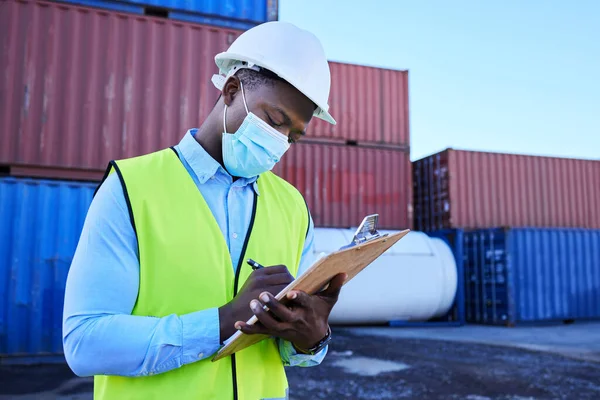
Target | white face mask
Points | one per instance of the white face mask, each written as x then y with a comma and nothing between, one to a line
254,148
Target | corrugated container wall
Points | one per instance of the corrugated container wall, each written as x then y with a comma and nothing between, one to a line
531,275
236,14
465,189
342,184
82,86
369,105
40,226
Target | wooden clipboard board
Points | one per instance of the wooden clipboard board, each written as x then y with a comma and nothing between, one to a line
350,260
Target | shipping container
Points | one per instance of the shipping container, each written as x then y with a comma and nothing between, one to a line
40,225
342,184
83,86
235,14
369,105
530,275
468,189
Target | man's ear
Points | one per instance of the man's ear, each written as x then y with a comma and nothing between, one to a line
230,90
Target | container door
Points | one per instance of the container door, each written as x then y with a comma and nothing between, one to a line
486,278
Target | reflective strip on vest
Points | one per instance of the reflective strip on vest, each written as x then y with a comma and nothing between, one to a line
185,266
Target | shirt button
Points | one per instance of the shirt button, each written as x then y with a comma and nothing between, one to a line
234,235
200,355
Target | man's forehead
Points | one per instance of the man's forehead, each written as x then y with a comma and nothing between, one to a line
285,98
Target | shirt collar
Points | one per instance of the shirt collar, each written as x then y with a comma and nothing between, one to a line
203,165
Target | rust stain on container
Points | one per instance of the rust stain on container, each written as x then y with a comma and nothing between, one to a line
342,184
369,105
82,86
466,189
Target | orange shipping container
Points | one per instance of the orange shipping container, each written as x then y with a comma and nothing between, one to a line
468,189
342,184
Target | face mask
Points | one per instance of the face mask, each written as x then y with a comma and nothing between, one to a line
254,148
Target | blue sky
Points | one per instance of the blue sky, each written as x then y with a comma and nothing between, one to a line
508,76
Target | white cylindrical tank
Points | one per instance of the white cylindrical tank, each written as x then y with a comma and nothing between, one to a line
415,280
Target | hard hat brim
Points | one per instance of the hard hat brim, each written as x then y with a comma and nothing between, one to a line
223,59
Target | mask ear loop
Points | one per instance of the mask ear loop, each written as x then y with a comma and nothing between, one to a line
225,110
224,115
244,98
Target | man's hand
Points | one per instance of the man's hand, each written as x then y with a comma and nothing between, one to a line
302,321
269,280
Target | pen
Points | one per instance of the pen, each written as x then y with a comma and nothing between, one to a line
254,264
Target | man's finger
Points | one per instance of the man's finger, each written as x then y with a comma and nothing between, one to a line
263,316
300,298
335,285
276,308
256,329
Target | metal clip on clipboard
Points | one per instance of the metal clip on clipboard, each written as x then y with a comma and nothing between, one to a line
366,231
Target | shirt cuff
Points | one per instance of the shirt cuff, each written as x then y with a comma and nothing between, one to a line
201,335
291,358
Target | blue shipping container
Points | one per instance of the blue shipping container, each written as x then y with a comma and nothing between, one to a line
40,225
234,14
530,275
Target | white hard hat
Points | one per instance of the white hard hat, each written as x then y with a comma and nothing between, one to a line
294,54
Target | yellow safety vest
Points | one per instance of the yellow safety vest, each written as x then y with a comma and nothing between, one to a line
185,267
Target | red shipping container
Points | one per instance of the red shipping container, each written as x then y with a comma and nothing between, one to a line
467,189
342,184
82,86
369,105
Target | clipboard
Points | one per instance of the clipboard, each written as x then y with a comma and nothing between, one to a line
366,246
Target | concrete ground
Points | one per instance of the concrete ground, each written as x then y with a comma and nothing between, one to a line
579,340
471,363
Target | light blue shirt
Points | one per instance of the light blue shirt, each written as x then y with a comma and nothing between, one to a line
100,336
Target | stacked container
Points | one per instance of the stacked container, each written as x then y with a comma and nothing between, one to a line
236,14
468,189
82,86
343,183
89,85
362,164
527,227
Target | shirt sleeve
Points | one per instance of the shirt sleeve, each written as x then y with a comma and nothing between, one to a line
100,336
289,355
